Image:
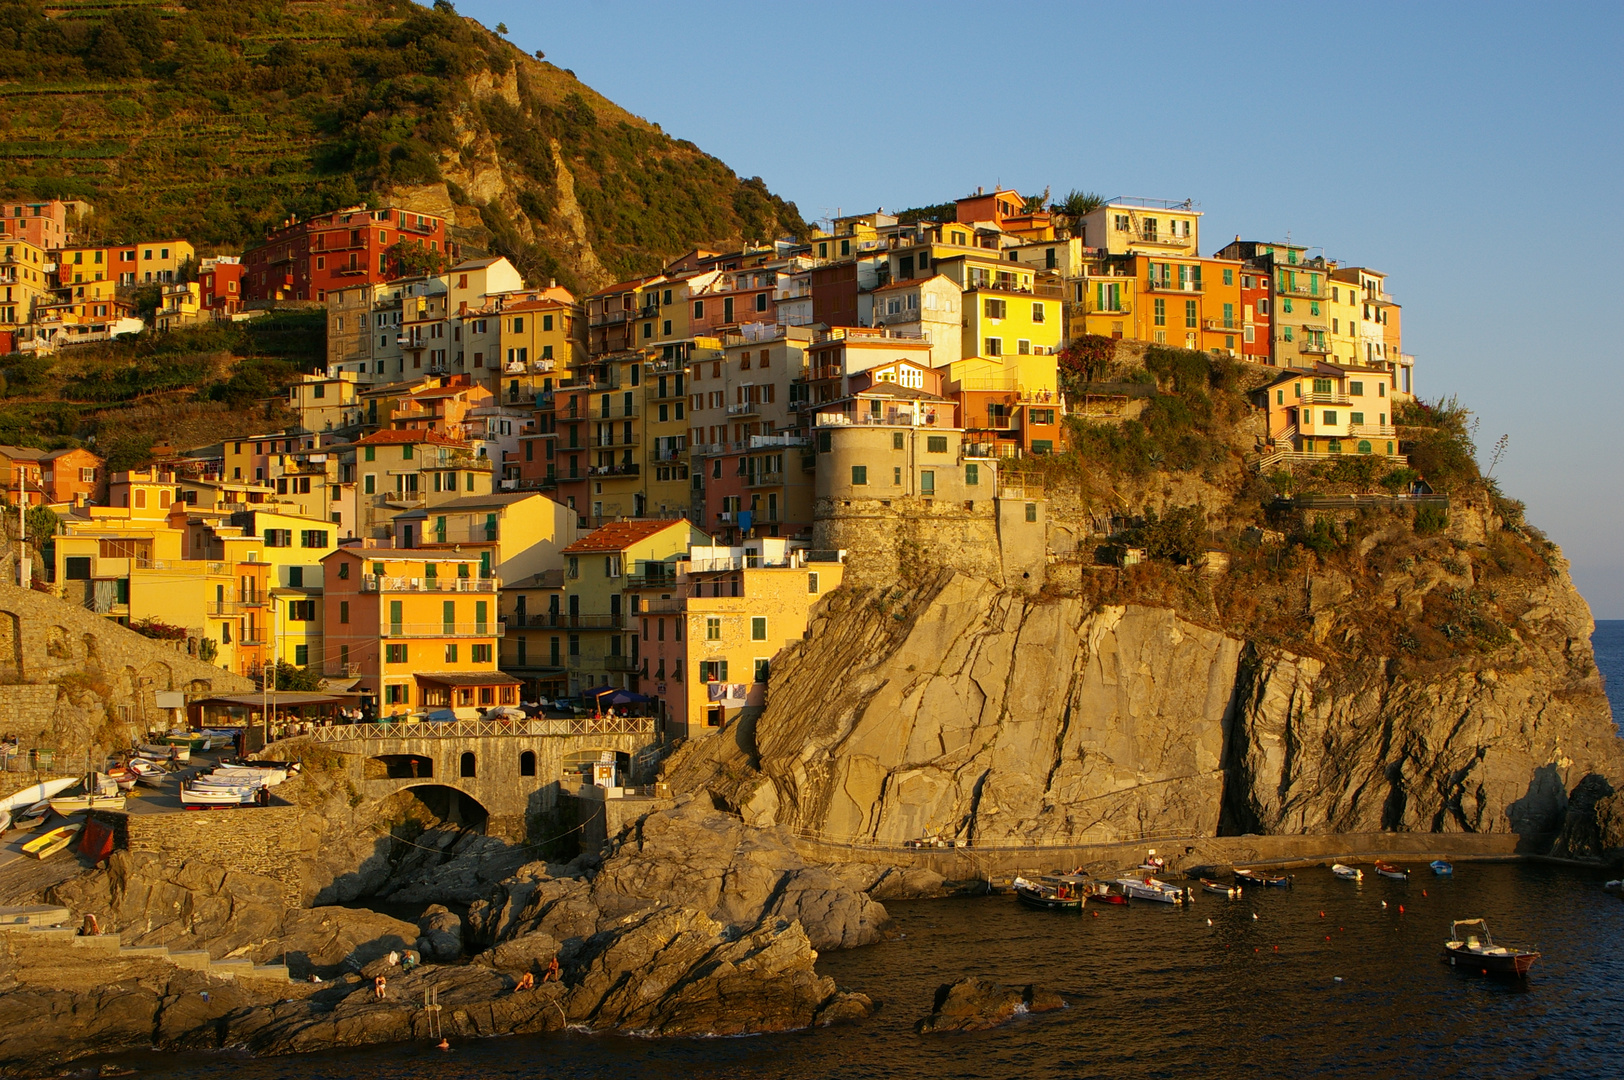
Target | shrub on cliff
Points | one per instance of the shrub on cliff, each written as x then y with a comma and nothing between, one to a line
1438,440
1179,536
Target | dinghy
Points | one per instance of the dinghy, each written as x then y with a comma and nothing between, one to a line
73,804
1442,868
1347,873
47,844
1052,892
1388,870
1219,888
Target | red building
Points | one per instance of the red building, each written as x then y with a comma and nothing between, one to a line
305,260
220,285
43,224
1257,337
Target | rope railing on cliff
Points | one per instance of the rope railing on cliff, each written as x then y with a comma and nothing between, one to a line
943,843
479,729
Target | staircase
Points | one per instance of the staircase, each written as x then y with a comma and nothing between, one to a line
57,924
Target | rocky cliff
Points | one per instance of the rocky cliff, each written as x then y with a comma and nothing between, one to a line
960,709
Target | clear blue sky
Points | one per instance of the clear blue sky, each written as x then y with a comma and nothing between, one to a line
1472,151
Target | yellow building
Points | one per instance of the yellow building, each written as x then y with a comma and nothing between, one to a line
601,648
399,470
1154,227
709,637
532,649
23,282
86,274
419,629
1185,302
182,305
161,260
545,335
327,402
513,534
1331,410
1008,310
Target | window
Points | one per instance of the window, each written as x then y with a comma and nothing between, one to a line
762,668
859,475
897,440
993,309
1356,418
76,568
1356,389
278,538
1322,386
397,694
1031,511
1189,314
1329,416
1285,305
972,475
758,628
313,538
1160,308
343,610
1023,347
936,444
713,671
1037,313
1229,276
992,347
699,309
466,764
812,582
480,654
451,653
1286,334
927,482
395,654
302,611
713,628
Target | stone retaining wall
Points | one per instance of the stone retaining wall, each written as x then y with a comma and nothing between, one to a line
973,864
262,840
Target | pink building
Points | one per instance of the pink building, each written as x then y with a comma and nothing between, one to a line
43,224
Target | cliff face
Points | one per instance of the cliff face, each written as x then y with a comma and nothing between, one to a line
965,710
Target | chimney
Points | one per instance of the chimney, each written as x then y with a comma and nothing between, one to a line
552,283
980,190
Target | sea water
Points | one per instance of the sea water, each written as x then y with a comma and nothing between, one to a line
1332,979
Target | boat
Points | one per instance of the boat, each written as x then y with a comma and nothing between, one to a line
31,816
1148,888
1441,868
1616,885
5,820
1470,946
1251,878
1219,888
1100,893
47,844
1388,870
191,740
1348,872
1052,892
123,776
37,793
73,804
165,752
199,798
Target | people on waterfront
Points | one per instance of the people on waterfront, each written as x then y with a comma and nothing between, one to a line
552,971
527,981
379,986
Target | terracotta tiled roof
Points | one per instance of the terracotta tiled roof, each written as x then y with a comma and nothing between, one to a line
540,303
396,435
910,283
623,286
620,535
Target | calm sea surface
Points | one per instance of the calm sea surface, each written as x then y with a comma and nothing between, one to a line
1608,641
1155,992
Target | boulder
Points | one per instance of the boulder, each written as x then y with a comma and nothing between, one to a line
530,953
975,1004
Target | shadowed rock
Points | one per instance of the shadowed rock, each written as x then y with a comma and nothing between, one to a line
975,1004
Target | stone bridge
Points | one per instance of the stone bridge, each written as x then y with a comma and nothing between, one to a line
512,770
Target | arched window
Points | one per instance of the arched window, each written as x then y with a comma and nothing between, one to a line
527,763
1364,446
467,763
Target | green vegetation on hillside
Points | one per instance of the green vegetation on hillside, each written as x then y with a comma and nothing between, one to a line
216,119
186,388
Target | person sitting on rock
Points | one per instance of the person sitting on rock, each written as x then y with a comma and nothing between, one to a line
552,971
527,981
379,985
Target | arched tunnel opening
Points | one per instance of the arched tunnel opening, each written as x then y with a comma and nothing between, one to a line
434,808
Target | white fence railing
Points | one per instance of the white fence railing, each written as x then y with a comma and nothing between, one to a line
478,729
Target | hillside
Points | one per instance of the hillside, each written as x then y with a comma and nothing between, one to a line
215,120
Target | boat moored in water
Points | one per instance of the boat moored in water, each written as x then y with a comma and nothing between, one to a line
1388,870
1219,888
1441,868
1471,947
1052,892
1149,888
1251,878
1347,873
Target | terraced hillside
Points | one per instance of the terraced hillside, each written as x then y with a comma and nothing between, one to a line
216,119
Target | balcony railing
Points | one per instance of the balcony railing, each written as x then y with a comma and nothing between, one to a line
1168,285
1231,325
621,663
558,620
442,629
609,318
891,418
463,729
623,469
774,478
979,284
744,408
1147,236
1372,431
1317,347
389,583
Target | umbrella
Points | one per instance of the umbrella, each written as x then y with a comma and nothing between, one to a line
626,697
592,695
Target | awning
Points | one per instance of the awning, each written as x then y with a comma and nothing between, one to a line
279,699
1316,326
461,678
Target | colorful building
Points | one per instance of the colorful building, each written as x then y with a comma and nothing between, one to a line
306,260
1330,410
418,629
46,224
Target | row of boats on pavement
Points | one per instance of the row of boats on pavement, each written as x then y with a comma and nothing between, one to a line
1470,944
241,783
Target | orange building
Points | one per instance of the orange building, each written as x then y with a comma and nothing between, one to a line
418,628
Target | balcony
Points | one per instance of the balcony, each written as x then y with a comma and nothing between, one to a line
1091,306
744,408
1010,285
773,478
1303,289
1318,398
1372,431
891,418
405,498
622,469
558,620
616,438
1161,285
990,450
609,318
442,629
1148,236
621,663
617,411
990,422
388,583
1222,326
1314,347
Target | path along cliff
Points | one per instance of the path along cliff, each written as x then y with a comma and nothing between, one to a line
957,708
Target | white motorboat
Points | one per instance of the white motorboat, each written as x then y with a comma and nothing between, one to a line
1347,873
36,793
1149,888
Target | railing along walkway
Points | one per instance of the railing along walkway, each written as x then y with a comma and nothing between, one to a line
476,729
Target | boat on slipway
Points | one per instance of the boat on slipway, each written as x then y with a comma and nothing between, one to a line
49,843
1470,946
34,794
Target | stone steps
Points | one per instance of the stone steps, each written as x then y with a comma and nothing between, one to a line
57,924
